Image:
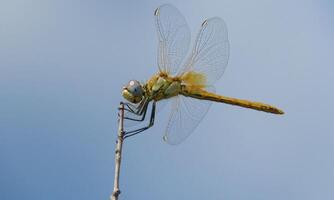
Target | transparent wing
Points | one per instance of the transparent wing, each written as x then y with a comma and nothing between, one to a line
186,114
174,38
211,50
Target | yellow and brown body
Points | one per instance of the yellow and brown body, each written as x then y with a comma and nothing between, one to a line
192,84
205,95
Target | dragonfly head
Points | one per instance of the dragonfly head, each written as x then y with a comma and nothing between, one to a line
133,91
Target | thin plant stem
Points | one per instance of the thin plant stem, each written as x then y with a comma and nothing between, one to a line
118,152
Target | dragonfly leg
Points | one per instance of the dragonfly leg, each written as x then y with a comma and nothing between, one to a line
132,108
151,123
142,114
137,110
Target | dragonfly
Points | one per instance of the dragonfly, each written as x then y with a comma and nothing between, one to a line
184,78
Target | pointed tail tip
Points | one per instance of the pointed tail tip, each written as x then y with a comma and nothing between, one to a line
279,112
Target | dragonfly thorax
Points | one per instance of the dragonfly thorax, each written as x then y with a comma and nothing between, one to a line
162,86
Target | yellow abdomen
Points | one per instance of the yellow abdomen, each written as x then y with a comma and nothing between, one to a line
200,93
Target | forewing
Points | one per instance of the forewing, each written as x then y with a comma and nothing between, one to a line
186,114
211,50
174,38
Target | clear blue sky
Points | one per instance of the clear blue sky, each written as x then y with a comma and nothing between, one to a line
62,66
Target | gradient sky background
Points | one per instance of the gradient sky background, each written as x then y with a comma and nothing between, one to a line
63,63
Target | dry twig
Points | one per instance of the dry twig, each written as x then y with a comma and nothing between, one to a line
118,153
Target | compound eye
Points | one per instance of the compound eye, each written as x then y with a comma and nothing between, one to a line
135,88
